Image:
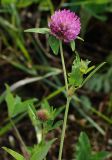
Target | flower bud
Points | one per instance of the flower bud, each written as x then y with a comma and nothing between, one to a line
43,115
71,91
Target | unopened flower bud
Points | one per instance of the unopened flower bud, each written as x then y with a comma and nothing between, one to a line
71,91
43,114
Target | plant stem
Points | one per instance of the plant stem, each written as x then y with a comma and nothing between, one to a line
64,128
24,148
43,135
67,103
63,65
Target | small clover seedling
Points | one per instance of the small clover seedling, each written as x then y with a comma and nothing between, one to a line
42,120
84,150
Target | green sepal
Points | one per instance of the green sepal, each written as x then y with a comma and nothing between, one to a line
72,44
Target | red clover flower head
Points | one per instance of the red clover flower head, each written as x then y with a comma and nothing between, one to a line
65,25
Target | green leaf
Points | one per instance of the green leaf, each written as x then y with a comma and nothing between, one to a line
58,111
76,76
10,101
72,44
54,44
41,150
84,152
15,105
22,106
14,154
51,112
32,116
83,148
38,30
57,124
45,105
84,66
35,122
100,155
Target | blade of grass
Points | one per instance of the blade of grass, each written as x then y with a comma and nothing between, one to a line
6,24
101,115
85,2
29,80
20,66
91,121
8,126
92,73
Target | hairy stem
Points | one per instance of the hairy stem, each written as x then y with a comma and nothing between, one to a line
67,103
63,65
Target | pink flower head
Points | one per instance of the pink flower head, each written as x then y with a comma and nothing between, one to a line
65,25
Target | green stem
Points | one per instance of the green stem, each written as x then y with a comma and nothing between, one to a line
67,103
63,65
43,135
24,148
64,129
